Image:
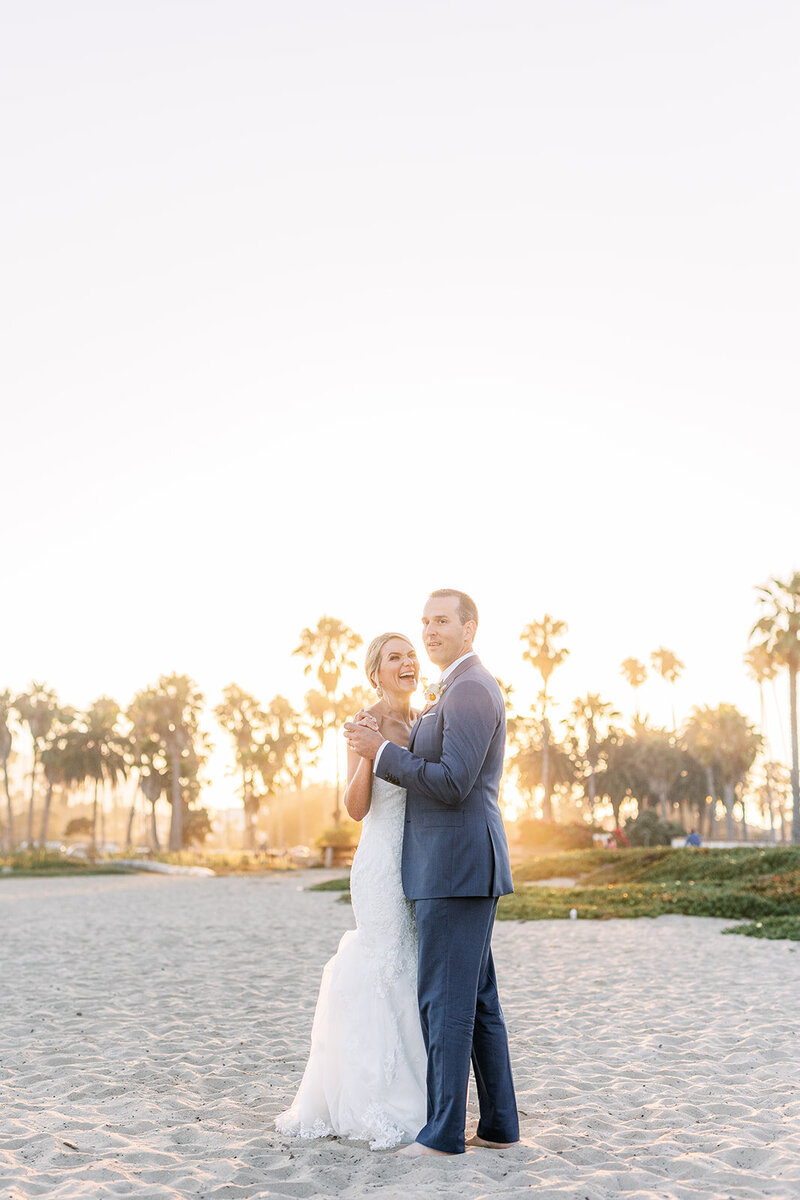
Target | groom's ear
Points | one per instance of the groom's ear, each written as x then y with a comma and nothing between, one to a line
470,629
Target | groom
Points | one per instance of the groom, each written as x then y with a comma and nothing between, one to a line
455,865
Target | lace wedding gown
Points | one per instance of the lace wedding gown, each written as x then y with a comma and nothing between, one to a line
365,1077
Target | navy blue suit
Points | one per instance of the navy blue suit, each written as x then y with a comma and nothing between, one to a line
455,865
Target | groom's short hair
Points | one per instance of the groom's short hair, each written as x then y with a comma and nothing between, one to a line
467,608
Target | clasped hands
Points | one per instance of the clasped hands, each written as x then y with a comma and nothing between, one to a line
363,735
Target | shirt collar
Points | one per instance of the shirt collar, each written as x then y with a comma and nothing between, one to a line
447,671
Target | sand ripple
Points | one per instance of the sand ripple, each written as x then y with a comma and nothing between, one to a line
151,1028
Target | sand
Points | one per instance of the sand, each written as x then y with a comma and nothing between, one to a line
151,1028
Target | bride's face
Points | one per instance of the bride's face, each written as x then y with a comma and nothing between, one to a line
399,669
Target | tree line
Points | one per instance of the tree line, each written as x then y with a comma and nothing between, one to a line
687,770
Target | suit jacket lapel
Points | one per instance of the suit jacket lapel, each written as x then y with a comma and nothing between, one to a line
472,661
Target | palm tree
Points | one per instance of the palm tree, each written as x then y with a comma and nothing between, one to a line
38,708
278,757
670,668
699,740
96,751
242,717
777,632
544,656
592,720
772,793
622,778
6,741
56,760
761,667
152,783
634,671
328,650
659,761
166,723
528,762
724,742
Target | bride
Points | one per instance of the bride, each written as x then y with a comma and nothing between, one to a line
365,1077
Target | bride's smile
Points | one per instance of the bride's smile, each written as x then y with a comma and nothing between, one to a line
399,669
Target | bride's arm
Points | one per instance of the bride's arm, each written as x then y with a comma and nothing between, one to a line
358,793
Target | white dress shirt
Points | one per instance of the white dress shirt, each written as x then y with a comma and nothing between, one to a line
447,671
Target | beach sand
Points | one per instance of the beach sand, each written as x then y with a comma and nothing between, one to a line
152,1027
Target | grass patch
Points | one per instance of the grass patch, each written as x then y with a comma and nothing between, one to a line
770,927
48,862
662,864
758,884
45,863
761,884
240,862
332,885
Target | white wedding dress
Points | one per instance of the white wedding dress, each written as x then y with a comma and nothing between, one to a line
365,1077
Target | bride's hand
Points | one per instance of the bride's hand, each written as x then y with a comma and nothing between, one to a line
363,739
366,718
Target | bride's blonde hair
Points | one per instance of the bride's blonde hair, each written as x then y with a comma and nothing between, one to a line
374,652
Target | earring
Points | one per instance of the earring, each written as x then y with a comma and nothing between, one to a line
379,690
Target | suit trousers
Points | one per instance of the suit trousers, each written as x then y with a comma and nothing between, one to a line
461,1021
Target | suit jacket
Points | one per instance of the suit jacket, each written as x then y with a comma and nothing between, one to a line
454,842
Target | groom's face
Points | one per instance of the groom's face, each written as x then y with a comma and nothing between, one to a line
445,638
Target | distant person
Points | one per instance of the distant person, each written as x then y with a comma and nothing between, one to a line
618,839
693,839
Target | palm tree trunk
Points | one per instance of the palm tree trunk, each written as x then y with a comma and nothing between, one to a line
729,797
11,838
702,811
154,828
249,827
547,805
46,814
245,813
30,798
131,818
301,808
176,820
745,832
93,844
795,765
712,792
281,834
662,805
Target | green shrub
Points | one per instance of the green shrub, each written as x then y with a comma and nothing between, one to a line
343,837
770,927
647,830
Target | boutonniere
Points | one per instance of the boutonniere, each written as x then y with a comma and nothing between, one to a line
433,692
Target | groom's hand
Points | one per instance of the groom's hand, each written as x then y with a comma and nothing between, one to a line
363,740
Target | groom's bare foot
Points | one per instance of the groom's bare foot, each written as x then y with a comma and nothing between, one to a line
416,1150
479,1141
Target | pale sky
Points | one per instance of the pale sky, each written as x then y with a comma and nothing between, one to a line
314,307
